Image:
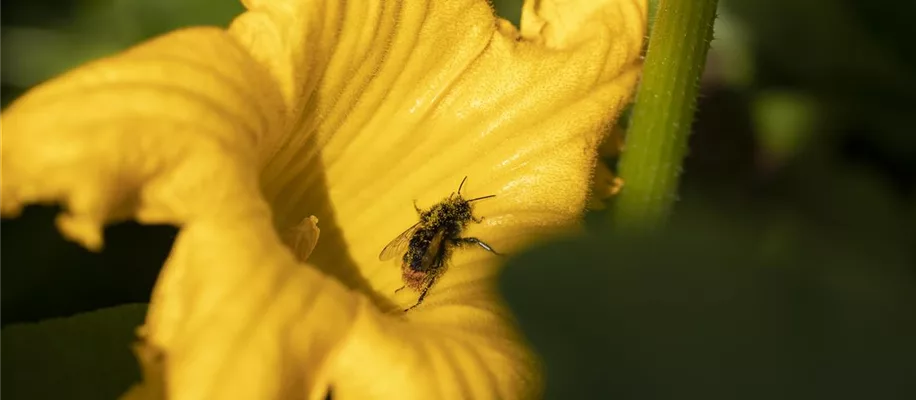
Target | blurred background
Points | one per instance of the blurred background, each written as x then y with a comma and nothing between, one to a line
789,269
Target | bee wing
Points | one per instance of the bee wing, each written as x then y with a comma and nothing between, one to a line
398,245
432,252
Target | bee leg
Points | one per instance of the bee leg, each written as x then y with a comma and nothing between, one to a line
415,207
476,219
422,294
400,289
471,241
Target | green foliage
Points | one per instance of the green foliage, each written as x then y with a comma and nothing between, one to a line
722,305
511,10
854,56
785,122
87,356
38,51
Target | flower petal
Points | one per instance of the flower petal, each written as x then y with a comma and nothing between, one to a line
394,101
169,132
237,317
351,111
160,132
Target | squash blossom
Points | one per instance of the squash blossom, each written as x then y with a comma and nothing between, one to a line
331,114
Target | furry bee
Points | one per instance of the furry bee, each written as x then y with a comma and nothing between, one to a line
426,246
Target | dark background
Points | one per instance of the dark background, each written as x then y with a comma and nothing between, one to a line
803,157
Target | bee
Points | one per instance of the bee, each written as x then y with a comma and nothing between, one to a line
426,246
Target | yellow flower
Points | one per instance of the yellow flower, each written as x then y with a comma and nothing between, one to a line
347,111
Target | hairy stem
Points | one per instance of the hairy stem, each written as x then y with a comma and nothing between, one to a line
656,141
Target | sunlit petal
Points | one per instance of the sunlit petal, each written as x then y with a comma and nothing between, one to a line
414,96
347,111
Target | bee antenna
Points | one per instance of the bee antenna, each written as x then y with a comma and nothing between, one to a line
461,185
481,198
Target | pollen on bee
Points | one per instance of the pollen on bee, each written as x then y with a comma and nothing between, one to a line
425,247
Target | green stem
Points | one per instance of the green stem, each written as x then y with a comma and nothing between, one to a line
657,138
